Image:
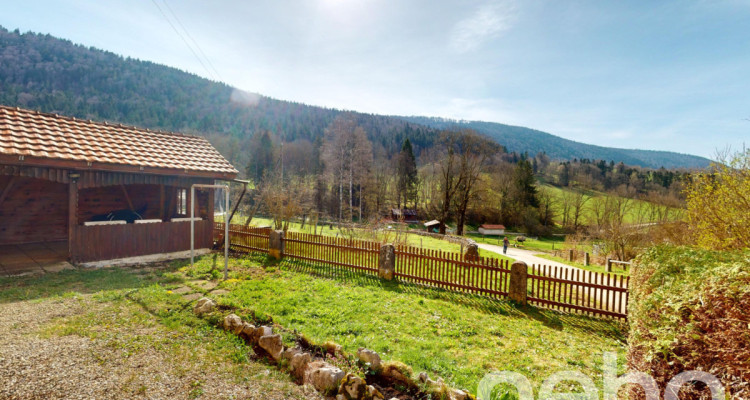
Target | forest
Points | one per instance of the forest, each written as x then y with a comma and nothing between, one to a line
313,162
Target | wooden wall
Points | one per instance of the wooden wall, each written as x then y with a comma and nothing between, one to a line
34,210
107,242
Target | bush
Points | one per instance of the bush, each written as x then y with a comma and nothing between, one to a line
689,311
718,204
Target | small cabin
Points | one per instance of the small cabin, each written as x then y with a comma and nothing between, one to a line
90,191
432,226
406,215
492,230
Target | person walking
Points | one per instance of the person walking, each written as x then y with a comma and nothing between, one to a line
506,242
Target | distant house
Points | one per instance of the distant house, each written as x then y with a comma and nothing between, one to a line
405,215
492,230
100,191
432,226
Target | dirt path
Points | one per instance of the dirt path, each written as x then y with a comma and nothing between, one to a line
84,348
610,302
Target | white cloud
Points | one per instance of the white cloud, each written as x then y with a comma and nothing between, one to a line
488,22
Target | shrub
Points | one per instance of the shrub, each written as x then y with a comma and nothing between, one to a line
689,311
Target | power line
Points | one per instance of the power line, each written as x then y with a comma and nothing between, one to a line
185,41
187,33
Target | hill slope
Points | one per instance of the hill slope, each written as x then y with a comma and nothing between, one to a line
48,74
525,140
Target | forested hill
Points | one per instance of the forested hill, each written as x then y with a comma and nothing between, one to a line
526,140
52,75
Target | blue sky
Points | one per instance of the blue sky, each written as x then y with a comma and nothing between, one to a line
663,75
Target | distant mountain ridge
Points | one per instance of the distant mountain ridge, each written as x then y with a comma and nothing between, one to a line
54,75
532,141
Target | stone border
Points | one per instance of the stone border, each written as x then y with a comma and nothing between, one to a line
327,379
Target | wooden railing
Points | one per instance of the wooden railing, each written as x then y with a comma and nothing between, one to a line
486,276
359,255
576,290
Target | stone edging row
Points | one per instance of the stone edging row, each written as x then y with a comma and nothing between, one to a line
327,379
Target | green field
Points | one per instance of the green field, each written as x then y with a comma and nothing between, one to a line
637,211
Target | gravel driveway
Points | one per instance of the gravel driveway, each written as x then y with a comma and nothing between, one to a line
75,348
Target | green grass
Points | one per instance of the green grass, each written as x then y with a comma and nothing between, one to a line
458,337
547,244
132,311
630,217
616,268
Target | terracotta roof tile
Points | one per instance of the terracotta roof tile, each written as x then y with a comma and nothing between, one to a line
30,133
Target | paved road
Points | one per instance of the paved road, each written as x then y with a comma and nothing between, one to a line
530,258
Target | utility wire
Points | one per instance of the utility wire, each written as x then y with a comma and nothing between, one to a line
187,33
185,41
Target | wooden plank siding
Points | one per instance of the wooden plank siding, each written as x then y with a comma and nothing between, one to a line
33,210
106,242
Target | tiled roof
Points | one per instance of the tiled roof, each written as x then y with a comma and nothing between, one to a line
490,226
106,146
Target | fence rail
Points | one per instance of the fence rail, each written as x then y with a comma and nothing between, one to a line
242,238
570,290
446,270
565,289
360,255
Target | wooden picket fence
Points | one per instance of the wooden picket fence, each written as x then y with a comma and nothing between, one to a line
354,254
487,276
570,290
243,238
587,292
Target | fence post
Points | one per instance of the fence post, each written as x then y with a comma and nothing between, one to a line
586,259
609,265
387,262
570,255
519,273
276,244
472,252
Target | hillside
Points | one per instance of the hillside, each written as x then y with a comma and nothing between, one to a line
48,74
531,141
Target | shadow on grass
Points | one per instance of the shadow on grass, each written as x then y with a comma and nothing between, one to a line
84,281
550,318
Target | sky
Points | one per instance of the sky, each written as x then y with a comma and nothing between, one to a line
659,75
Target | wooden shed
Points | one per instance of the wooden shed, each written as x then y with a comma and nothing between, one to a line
103,191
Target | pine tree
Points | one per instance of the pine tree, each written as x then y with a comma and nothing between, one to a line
407,174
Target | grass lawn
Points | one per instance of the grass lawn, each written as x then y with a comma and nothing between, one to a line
546,244
458,337
121,333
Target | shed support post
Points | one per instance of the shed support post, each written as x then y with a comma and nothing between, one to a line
127,198
72,220
226,225
7,188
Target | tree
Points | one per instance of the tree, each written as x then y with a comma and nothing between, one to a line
718,203
261,156
407,175
347,156
474,150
